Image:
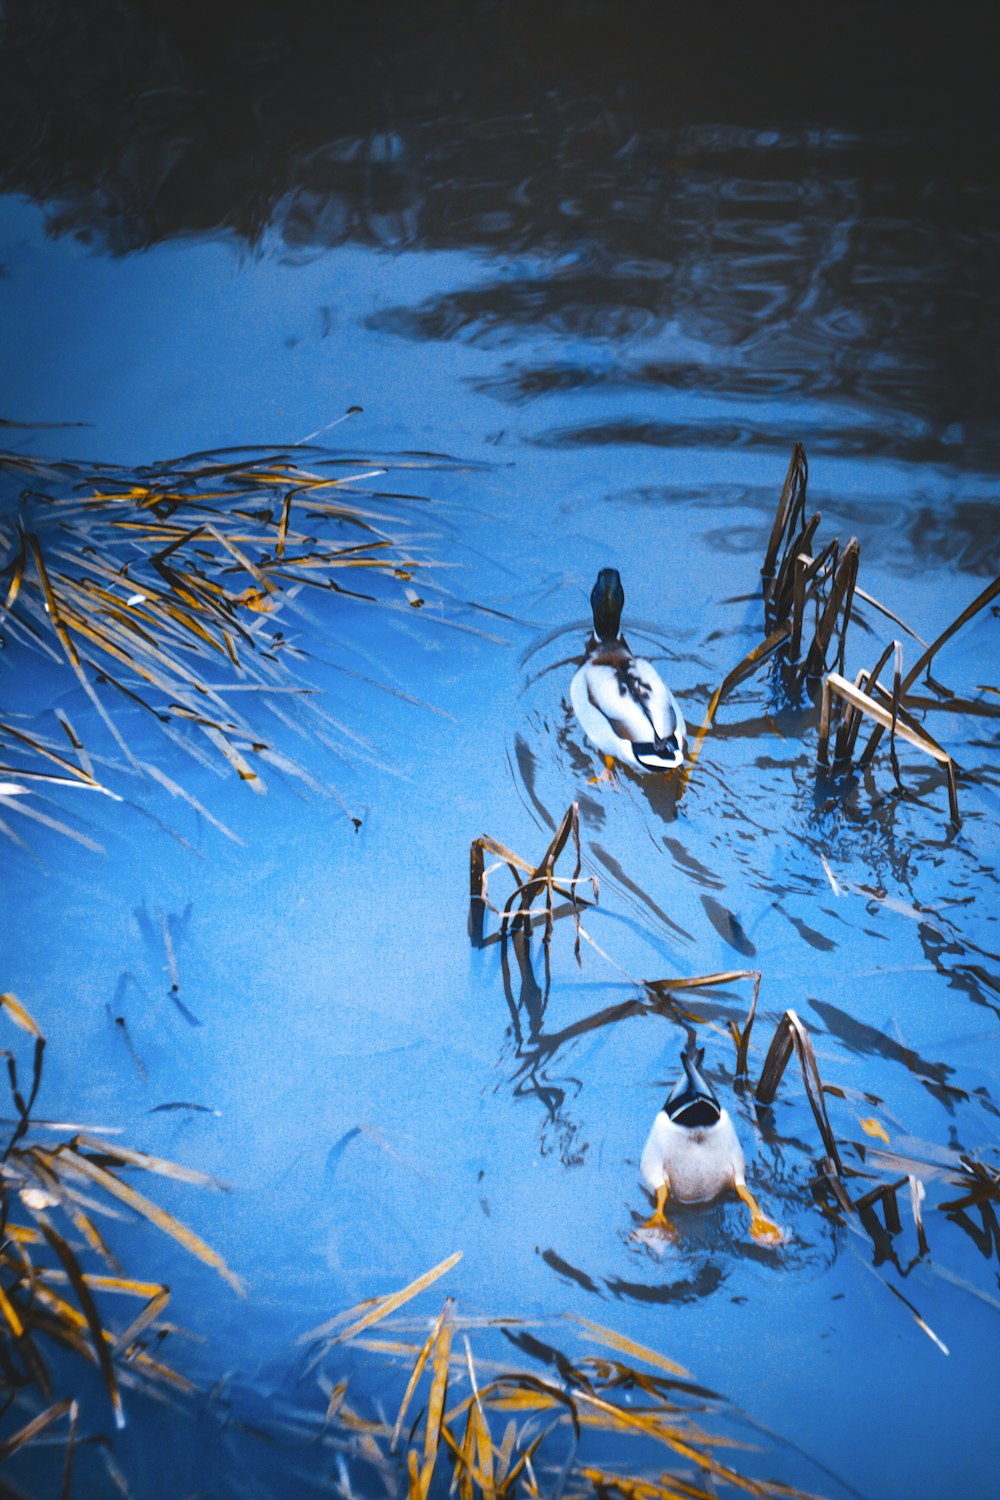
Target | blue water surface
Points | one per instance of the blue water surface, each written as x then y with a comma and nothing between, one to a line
603,359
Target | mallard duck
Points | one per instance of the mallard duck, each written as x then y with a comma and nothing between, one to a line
624,707
694,1154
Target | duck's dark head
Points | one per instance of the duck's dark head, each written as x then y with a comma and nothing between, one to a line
607,600
692,1102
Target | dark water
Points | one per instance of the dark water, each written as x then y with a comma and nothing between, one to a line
589,274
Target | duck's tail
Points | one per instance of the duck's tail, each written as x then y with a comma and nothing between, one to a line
692,1101
664,754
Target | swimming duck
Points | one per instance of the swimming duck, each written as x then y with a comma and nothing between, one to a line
693,1153
624,707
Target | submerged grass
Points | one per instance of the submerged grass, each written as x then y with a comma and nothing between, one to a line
175,587
57,1271
624,1420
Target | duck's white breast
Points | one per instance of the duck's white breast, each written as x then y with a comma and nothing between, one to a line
696,1164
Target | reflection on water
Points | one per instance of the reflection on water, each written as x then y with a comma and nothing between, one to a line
806,262
614,260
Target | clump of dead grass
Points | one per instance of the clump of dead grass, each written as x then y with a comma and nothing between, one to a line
178,589
58,1275
610,1417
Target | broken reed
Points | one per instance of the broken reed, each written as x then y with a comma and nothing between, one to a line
808,602
868,698
531,882
808,598
888,1172
979,1184
494,1431
57,1271
166,587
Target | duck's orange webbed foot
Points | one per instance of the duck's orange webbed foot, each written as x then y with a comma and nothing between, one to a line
658,1223
609,765
761,1228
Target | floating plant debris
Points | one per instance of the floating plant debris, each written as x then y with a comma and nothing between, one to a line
172,588
494,1430
49,1247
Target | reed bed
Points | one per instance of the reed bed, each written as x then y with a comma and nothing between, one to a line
176,590
809,595
59,1278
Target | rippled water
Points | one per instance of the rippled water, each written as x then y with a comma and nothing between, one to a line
587,325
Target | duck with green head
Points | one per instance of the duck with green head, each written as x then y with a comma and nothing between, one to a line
624,707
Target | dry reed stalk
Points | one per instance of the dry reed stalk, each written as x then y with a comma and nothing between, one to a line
793,580
791,1036
791,509
971,610
886,718
540,880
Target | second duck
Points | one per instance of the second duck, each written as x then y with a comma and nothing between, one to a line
624,707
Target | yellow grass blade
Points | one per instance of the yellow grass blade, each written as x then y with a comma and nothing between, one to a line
435,1406
120,1284
481,1429
36,745
384,1305
151,1211
18,1014
416,1373
15,583
148,1163
10,1313
612,1340
335,1402
35,1426
641,1489
152,1310
89,1309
